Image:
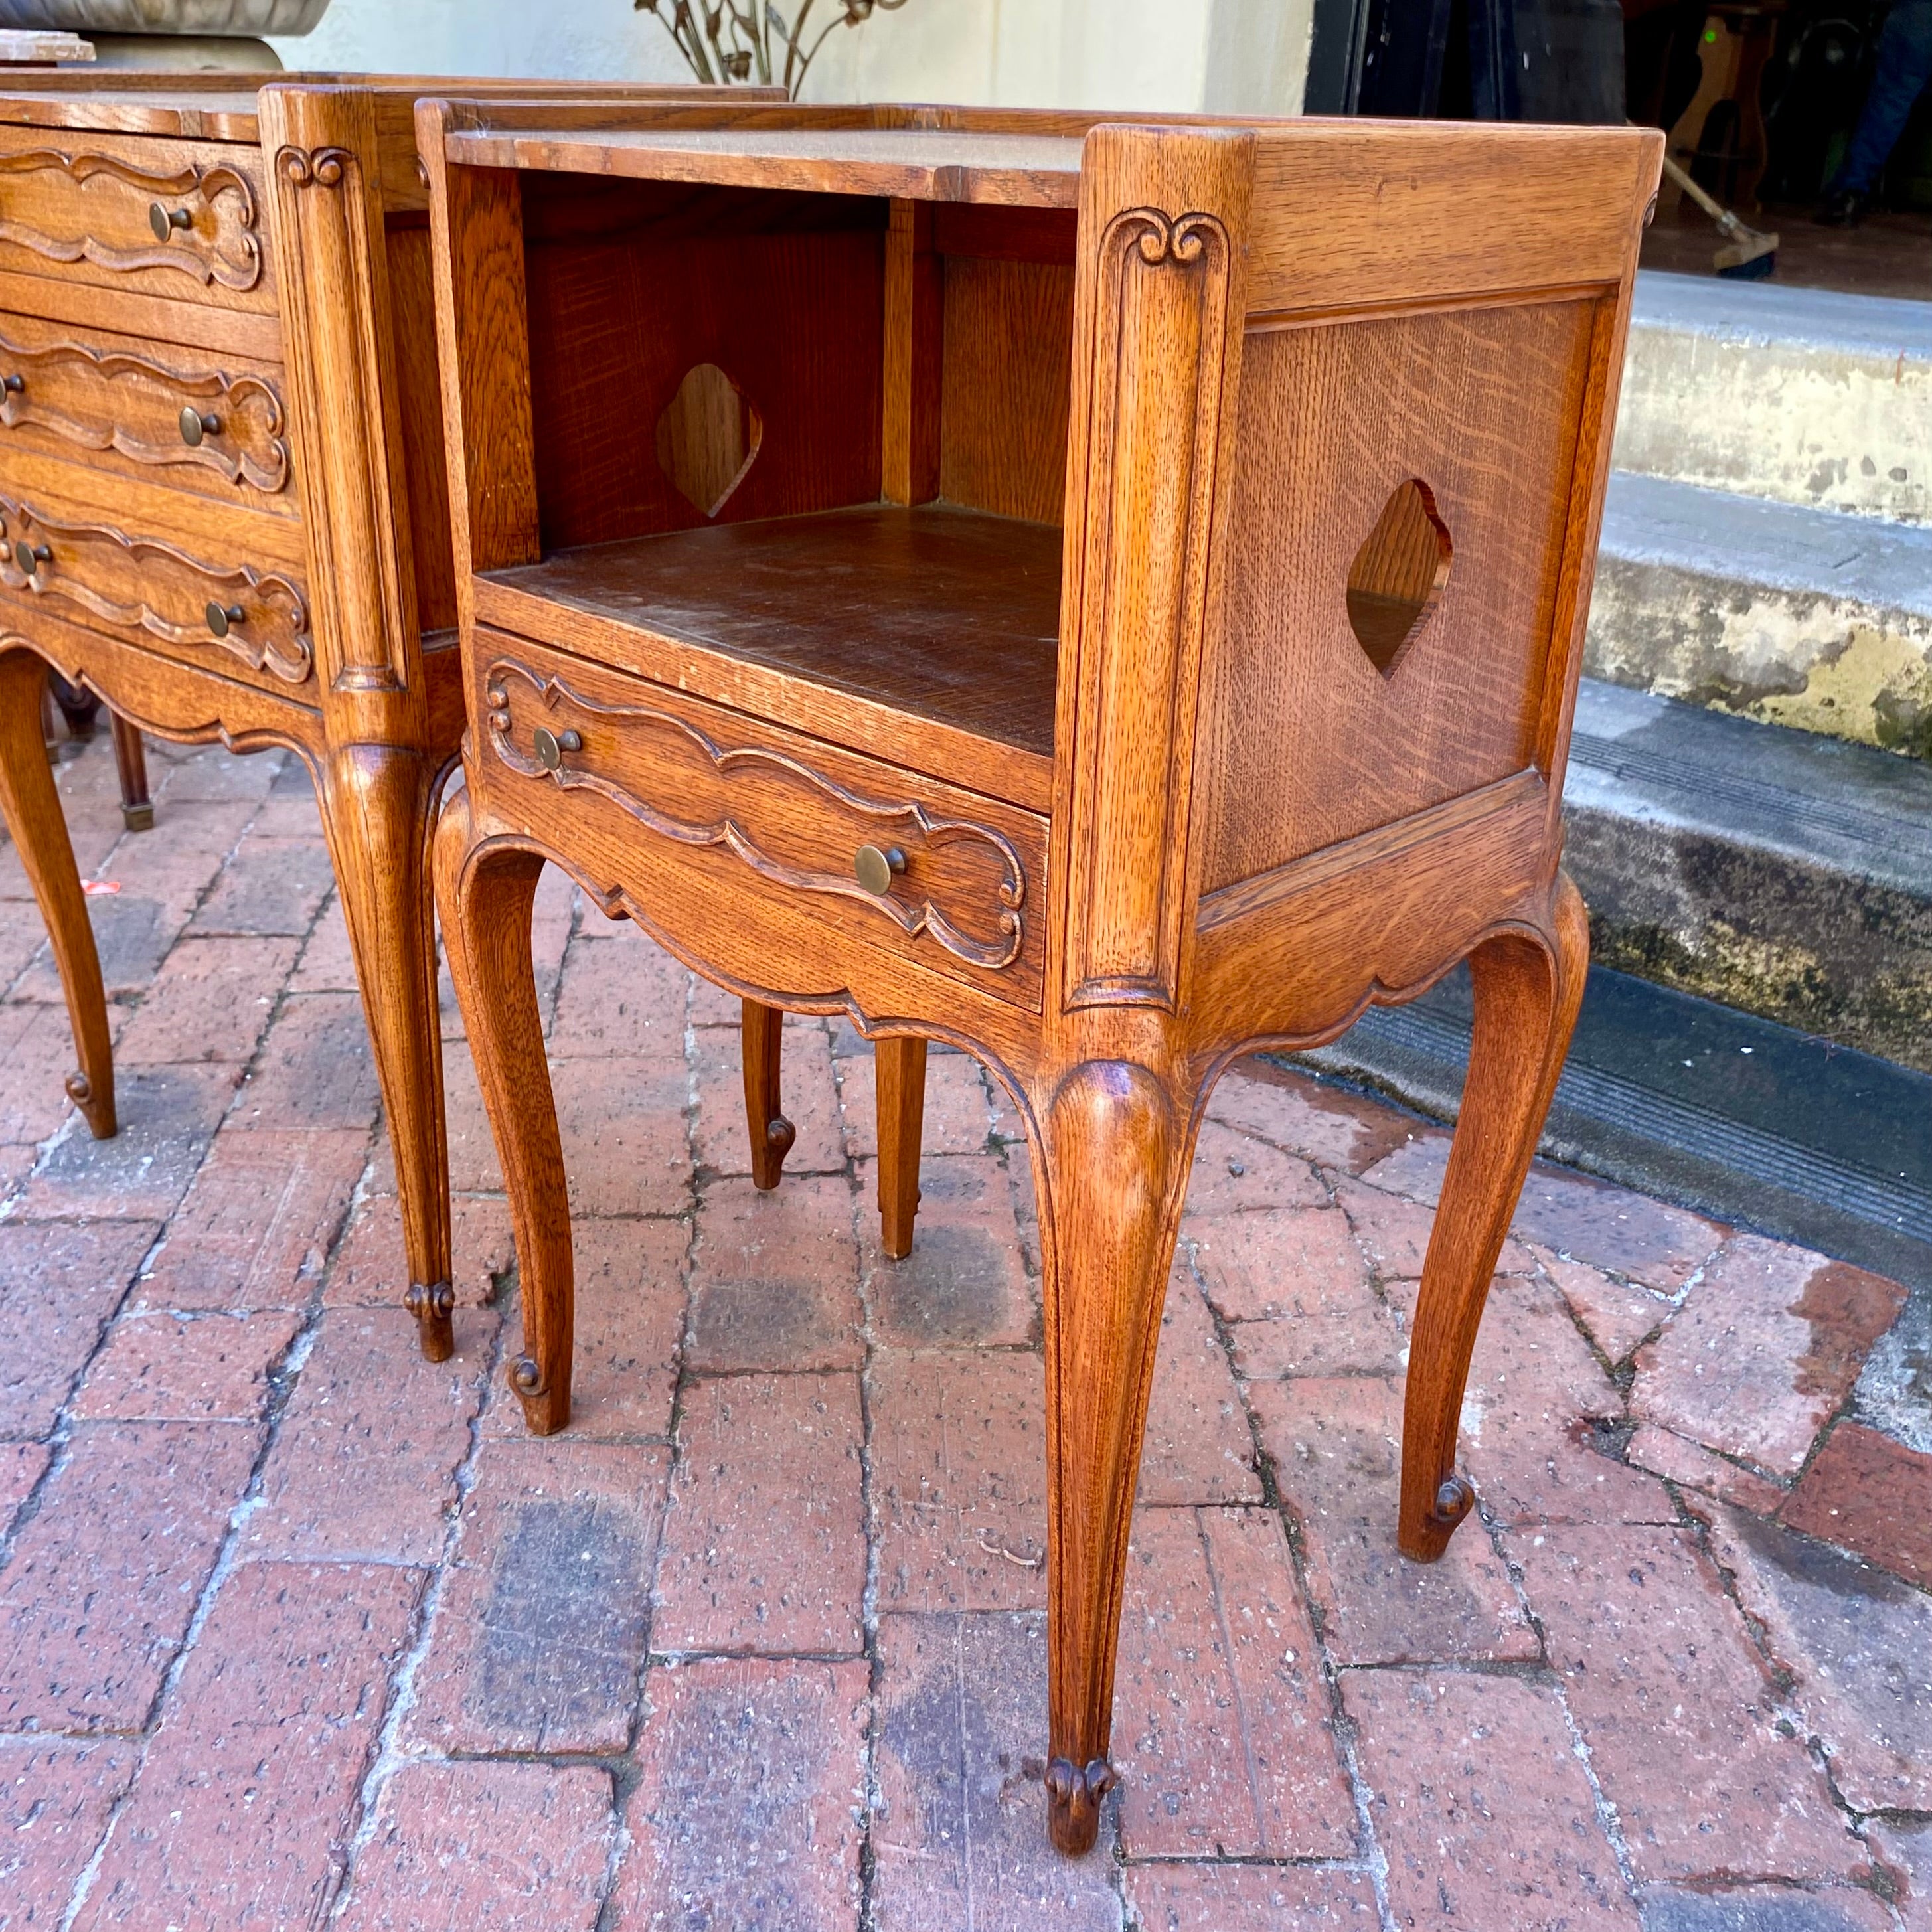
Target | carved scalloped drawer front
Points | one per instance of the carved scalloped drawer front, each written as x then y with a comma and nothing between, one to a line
178,218
955,881
148,592
168,411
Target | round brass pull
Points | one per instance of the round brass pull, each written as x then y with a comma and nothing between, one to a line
194,426
28,557
222,618
165,221
13,384
550,746
875,869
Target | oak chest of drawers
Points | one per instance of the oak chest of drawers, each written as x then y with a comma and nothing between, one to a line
223,504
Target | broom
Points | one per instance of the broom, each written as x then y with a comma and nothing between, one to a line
1746,256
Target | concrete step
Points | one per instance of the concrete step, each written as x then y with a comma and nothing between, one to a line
1789,615
1783,873
1802,396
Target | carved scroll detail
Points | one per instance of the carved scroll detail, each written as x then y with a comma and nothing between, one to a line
273,635
911,919
317,167
232,258
262,459
1164,278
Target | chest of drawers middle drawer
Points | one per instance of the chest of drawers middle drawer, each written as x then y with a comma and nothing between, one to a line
211,425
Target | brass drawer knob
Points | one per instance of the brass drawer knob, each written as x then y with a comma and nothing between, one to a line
28,557
875,869
222,618
550,746
194,426
165,221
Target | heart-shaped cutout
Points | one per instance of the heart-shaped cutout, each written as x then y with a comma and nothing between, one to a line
1398,575
708,437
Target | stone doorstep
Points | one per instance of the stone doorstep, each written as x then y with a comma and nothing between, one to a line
1802,395
1785,873
1791,614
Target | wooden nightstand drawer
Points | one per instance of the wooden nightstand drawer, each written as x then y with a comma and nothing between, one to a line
777,816
184,220
187,417
223,615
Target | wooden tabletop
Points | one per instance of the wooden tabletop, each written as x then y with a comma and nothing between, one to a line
1024,170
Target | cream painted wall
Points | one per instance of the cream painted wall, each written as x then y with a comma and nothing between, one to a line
1245,56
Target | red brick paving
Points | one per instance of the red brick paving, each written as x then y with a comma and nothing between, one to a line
759,1642
241,1810
256,1227
1765,1347
55,1798
1334,1446
537,1637
751,1805
959,1482
103,1580
1871,1495
513,1847
59,1285
769,1449
1659,1669
196,1368
1482,1805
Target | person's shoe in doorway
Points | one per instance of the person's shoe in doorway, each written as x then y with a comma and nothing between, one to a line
1842,208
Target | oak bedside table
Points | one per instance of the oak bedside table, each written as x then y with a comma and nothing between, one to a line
223,504
1106,596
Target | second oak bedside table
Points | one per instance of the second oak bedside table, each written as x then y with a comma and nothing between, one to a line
1109,597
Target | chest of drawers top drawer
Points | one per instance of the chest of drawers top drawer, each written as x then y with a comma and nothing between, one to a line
182,220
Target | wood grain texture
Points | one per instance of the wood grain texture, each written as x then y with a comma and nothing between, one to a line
1233,844
81,208
131,768
118,401
1527,987
1482,405
643,284
1009,357
1403,212
156,591
32,809
483,898
1157,318
787,815
762,1032
911,374
936,615
901,1087
1022,170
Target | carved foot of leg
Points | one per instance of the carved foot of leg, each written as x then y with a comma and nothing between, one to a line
1073,1800
96,1109
431,1303
1527,992
771,1133
542,1414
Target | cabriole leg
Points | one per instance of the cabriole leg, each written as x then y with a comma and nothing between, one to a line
900,1074
376,801
1114,1162
771,1134
1526,999
485,900
32,809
